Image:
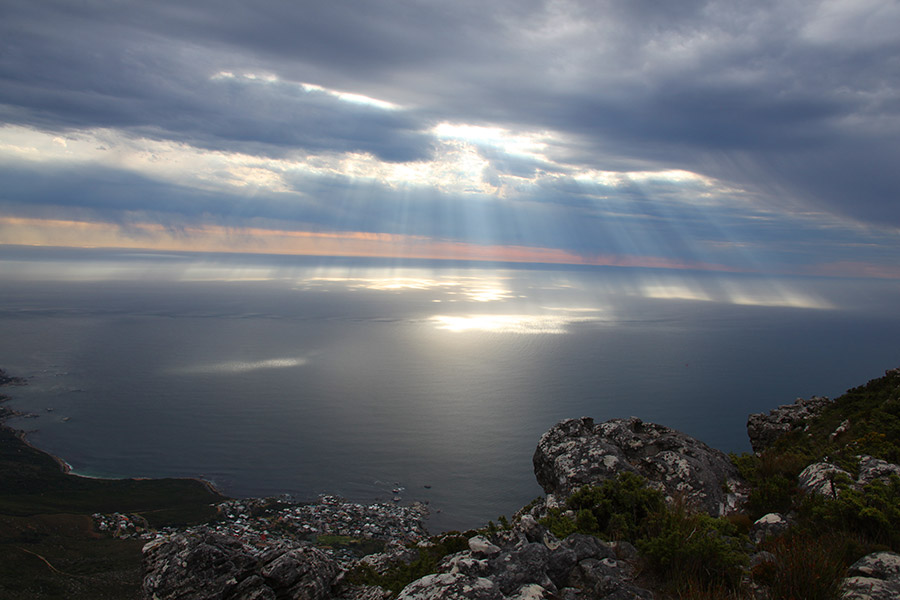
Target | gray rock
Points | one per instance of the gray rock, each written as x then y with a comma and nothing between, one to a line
302,574
587,546
873,577
211,565
762,558
530,528
576,452
480,546
840,429
765,428
392,555
195,567
625,550
363,592
523,565
871,469
603,579
252,588
533,592
822,478
451,586
767,526
521,569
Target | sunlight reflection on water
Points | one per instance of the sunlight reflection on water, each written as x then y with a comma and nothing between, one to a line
524,324
307,378
239,366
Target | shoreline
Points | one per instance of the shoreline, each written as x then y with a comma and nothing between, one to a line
21,435
67,469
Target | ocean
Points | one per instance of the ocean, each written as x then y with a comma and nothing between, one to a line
273,375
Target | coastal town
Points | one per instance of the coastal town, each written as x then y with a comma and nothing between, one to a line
331,522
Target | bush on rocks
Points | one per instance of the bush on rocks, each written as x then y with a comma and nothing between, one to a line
683,547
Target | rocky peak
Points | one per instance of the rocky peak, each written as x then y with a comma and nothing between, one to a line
765,428
578,452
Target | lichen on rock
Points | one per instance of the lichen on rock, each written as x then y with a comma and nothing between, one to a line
765,428
576,452
211,565
873,577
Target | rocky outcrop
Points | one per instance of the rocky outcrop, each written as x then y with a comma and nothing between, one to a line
873,577
211,565
7,379
765,428
577,452
826,479
529,563
871,469
822,478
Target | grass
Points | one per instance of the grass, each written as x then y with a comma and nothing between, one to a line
807,566
60,556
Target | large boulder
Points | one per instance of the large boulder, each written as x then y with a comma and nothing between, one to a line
872,469
827,479
768,526
873,577
765,428
822,478
577,452
210,565
451,586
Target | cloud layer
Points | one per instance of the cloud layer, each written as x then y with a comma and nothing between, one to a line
739,136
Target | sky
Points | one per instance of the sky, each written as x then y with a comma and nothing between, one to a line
759,137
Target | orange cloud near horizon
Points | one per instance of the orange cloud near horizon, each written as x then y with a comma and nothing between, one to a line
216,238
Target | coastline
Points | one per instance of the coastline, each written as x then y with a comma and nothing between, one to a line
69,471
22,436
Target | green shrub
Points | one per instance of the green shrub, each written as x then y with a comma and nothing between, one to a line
401,574
873,512
693,549
772,476
616,509
689,551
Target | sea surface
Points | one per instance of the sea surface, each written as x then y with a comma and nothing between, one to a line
280,375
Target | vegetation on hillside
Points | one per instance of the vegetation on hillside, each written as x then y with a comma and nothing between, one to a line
829,534
683,549
47,537
695,556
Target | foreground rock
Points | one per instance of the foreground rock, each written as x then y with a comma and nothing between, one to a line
765,428
874,577
576,452
529,563
211,565
768,526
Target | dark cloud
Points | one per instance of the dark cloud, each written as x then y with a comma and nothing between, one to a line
797,102
89,70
